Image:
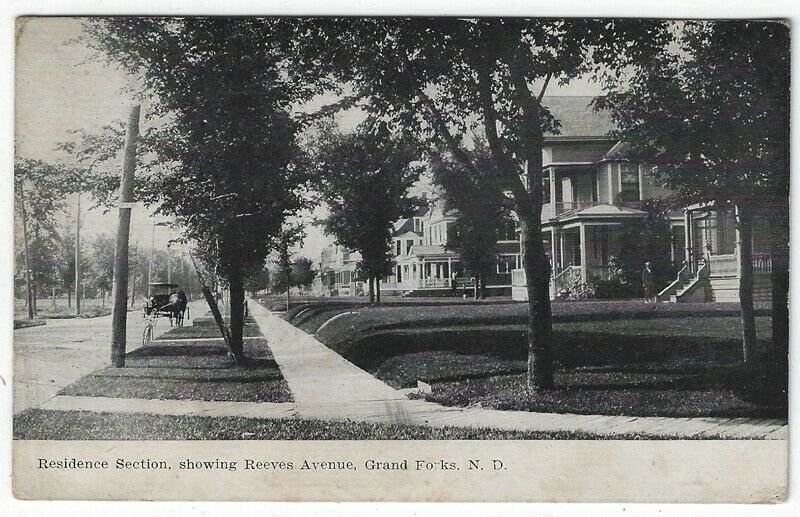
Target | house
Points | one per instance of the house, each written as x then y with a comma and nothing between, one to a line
337,273
423,266
591,190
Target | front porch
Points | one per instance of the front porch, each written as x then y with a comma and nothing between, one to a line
713,263
428,268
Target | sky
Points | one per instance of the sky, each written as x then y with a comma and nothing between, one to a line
59,87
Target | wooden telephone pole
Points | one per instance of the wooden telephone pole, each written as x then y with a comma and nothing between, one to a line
78,257
120,315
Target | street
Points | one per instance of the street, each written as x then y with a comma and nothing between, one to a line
48,358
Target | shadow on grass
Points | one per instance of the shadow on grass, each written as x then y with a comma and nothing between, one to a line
595,373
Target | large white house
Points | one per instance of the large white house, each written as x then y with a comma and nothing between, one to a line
591,191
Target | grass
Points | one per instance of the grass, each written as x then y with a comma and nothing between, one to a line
616,358
38,424
358,318
169,368
21,324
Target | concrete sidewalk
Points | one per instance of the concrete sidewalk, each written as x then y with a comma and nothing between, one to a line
51,357
326,386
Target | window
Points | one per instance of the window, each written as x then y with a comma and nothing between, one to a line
507,231
505,263
409,243
399,248
546,188
629,182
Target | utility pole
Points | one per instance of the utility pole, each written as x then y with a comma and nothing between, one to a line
150,267
120,314
135,269
78,257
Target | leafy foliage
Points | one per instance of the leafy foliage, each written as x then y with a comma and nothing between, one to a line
710,111
364,178
482,209
434,78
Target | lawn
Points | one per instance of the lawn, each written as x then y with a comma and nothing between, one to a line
38,424
173,368
620,358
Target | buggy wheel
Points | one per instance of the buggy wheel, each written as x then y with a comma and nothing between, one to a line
147,334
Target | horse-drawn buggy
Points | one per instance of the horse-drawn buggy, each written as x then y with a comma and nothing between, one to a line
166,300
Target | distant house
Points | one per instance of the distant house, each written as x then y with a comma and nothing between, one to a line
423,266
591,190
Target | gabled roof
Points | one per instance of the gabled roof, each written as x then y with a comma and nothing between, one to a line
577,117
407,225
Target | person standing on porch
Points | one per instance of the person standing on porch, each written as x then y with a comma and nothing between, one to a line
648,283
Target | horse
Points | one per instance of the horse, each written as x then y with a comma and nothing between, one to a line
178,306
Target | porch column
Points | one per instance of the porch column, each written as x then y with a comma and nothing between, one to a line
561,249
687,238
552,171
584,267
553,249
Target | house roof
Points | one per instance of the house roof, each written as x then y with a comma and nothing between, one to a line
618,152
420,250
407,225
602,212
577,117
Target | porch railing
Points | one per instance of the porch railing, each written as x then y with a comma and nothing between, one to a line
434,282
723,265
728,265
569,207
566,277
762,263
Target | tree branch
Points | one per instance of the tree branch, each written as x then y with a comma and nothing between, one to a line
544,88
503,163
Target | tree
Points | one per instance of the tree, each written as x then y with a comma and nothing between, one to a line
482,212
710,112
258,280
290,236
226,166
303,272
432,78
645,240
101,264
39,189
364,178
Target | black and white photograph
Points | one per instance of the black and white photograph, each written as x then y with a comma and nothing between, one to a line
369,232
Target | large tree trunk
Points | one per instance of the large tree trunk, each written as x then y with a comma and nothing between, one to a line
476,293
69,297
540,325
483,285
779,251
370,281
745,221
237,313
288,287
377,290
